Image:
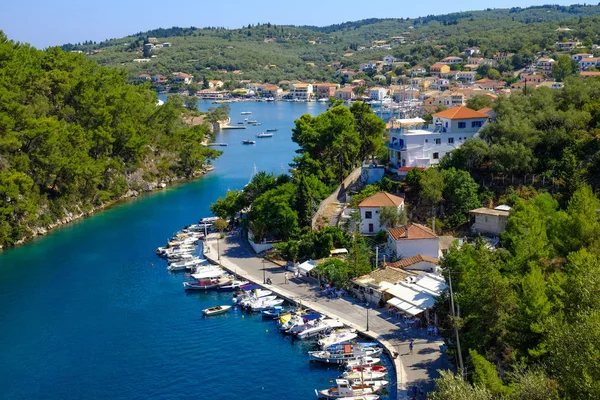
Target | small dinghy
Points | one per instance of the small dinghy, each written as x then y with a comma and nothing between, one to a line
216,310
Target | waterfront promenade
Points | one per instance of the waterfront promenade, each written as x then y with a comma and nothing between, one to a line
419,368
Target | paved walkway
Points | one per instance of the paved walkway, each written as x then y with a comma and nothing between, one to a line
419,368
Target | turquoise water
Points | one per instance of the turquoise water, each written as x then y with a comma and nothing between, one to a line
89,312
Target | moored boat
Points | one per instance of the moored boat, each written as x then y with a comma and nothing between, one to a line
347,354
363,375
318,327
337,337
272,130
206,284
363,362
216,310
264,135
345,389
246,112
235,285
248,141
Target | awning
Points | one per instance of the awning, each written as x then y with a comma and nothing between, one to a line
306,266
405,306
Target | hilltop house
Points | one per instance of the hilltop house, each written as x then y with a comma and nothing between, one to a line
268,90
489,221
370,210
182,77
580,56
567,46
544,65
589,62
412,239
439,69
413,143
451,60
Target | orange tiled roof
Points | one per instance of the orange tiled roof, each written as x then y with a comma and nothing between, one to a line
407,262
485,110
415,231
459,112
382,199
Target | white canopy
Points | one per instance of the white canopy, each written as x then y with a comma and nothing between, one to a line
306,267
410,121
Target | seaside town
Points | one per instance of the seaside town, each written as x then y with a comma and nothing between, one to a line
390,208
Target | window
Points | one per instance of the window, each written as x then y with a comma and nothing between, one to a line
450,140
476,124
368,214
436,156
462,125
426,140
438,141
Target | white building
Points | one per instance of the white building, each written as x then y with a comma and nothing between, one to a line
416,294
412,239
377,93
370,210
301,91
585,63
182,77
416,144
489,221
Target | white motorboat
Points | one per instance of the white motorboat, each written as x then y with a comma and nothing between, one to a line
214,272
264,304
370,382
251,300
348,353
345,389
180,257
319,327
235,285
363,362
297,323
363,375
246,112
264,135
216,310
183,265
341,336
256,293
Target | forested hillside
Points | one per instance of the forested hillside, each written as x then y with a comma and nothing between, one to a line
74,136
268,52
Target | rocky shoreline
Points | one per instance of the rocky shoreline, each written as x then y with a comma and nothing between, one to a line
72,216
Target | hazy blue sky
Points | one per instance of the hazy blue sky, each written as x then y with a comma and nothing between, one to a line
54,22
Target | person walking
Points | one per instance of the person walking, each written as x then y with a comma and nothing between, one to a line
411,345
285,278
414,391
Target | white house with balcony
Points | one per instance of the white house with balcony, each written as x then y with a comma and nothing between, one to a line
370,210
415,144
301,91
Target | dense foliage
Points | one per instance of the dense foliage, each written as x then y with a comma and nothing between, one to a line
532,307
74,135
268,52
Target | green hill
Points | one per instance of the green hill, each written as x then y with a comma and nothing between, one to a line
268,52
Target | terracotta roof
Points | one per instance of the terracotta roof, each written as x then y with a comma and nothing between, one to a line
382,199
415,231
459,112
407,262
589,73
485,110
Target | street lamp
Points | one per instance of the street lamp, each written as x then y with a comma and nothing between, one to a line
367,305
263,268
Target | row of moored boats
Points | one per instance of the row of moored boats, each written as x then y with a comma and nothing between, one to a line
363,377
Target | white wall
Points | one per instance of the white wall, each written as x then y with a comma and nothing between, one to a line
494,224
411,247
364,221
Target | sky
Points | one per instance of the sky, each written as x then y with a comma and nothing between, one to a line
45,23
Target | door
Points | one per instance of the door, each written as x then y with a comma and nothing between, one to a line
370,228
